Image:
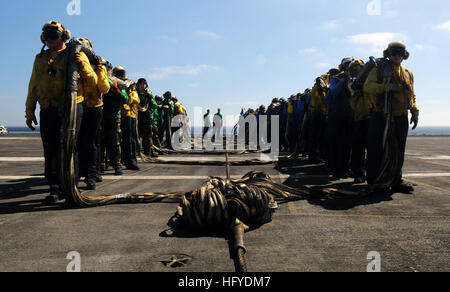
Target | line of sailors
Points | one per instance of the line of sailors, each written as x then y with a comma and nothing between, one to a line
109,108
342,123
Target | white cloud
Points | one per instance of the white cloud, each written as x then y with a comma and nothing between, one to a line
207,34
324,65
376,41
309,51
443,26
160,73
330,24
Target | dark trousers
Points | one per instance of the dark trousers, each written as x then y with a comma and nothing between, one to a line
317,141
359,145
299,138
305,134
88,142
145,133
50,130
340,140
155,136
110,145
134,141
161,132
99,147
375,145
205,131
165,132
50,135
128,140
292,134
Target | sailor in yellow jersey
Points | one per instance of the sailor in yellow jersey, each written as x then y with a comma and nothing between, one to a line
403,99
128,124
46,88
90,132
318,111
361,108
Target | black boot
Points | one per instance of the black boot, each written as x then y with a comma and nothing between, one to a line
132,166
54,197
403,188
118,171
90,184
359,180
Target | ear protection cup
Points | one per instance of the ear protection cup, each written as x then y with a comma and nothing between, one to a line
66,34
406,57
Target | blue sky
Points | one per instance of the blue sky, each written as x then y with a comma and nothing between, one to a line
235,53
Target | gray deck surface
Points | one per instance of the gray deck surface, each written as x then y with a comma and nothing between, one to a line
410,232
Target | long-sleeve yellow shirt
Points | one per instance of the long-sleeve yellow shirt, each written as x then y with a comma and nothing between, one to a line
47,79
359,104
401,101
94,95
131,109
318,103
181,109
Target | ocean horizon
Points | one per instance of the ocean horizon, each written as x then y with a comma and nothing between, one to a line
420,131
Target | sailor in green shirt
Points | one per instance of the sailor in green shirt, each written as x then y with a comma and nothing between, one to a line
112,105
146,117
168,112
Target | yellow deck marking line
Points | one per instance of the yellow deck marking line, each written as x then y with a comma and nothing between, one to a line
291,208
426,185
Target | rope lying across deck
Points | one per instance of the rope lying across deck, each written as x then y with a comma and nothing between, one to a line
218,202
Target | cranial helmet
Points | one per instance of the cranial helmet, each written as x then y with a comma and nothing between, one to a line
54,30
87,42
119,72
396,45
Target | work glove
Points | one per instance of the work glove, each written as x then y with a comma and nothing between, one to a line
78,59
393,87
31,118
99,65
414,119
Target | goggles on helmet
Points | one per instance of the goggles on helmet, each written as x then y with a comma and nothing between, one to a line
52,35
